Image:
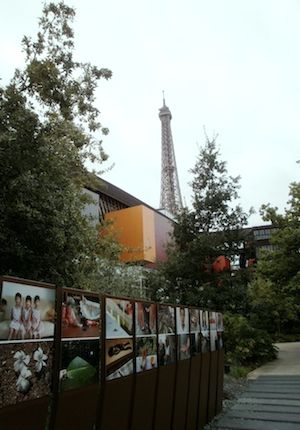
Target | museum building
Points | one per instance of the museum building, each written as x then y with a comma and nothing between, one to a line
144,231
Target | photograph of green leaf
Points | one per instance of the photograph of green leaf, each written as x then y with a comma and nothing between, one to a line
79,364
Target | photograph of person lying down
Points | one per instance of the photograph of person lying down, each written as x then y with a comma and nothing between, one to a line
80,316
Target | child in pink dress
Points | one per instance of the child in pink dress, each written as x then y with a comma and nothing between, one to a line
36,322
26,316
16,320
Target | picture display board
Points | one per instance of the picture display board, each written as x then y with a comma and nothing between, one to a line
146,336
183,330
45,353
80,334
205,335
166,335
119,347
27,326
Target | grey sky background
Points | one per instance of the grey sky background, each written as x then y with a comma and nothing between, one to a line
232,66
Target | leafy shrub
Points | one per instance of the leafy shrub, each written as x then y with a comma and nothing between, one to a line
245,345
239,371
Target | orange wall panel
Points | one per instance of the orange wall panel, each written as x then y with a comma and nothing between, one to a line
149,235
134,229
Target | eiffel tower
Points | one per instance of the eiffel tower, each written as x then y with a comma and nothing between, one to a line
170,196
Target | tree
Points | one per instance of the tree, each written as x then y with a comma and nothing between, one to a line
212,228
276,289
48,128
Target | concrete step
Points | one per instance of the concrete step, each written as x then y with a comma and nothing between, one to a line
274,408
274,382
263,388
272,395
265,416
242,424
276,379
276,402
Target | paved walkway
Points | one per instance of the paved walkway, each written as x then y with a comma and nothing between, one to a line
272,400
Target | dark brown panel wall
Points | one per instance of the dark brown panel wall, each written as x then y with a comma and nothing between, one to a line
77,409
220,380
212,386
181,395
164,397
30,415
194,390
144,400
117,404
203,391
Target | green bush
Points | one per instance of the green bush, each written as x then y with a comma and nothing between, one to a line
245,345
239,371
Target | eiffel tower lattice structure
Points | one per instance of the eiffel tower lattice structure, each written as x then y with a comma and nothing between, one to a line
170,196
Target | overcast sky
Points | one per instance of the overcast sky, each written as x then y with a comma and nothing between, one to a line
232,66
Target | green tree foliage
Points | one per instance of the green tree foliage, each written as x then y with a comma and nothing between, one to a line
246,345
48,127
212,228
276,290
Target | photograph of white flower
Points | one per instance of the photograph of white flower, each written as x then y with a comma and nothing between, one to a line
22,360
40,358
25,371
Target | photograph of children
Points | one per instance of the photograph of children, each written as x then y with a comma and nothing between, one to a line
119,318
182,320
166,349
26,312
25,371
146,353
118,357
204,325
80,316
145,316
183,346
79,364
195,320
213,331
166,319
